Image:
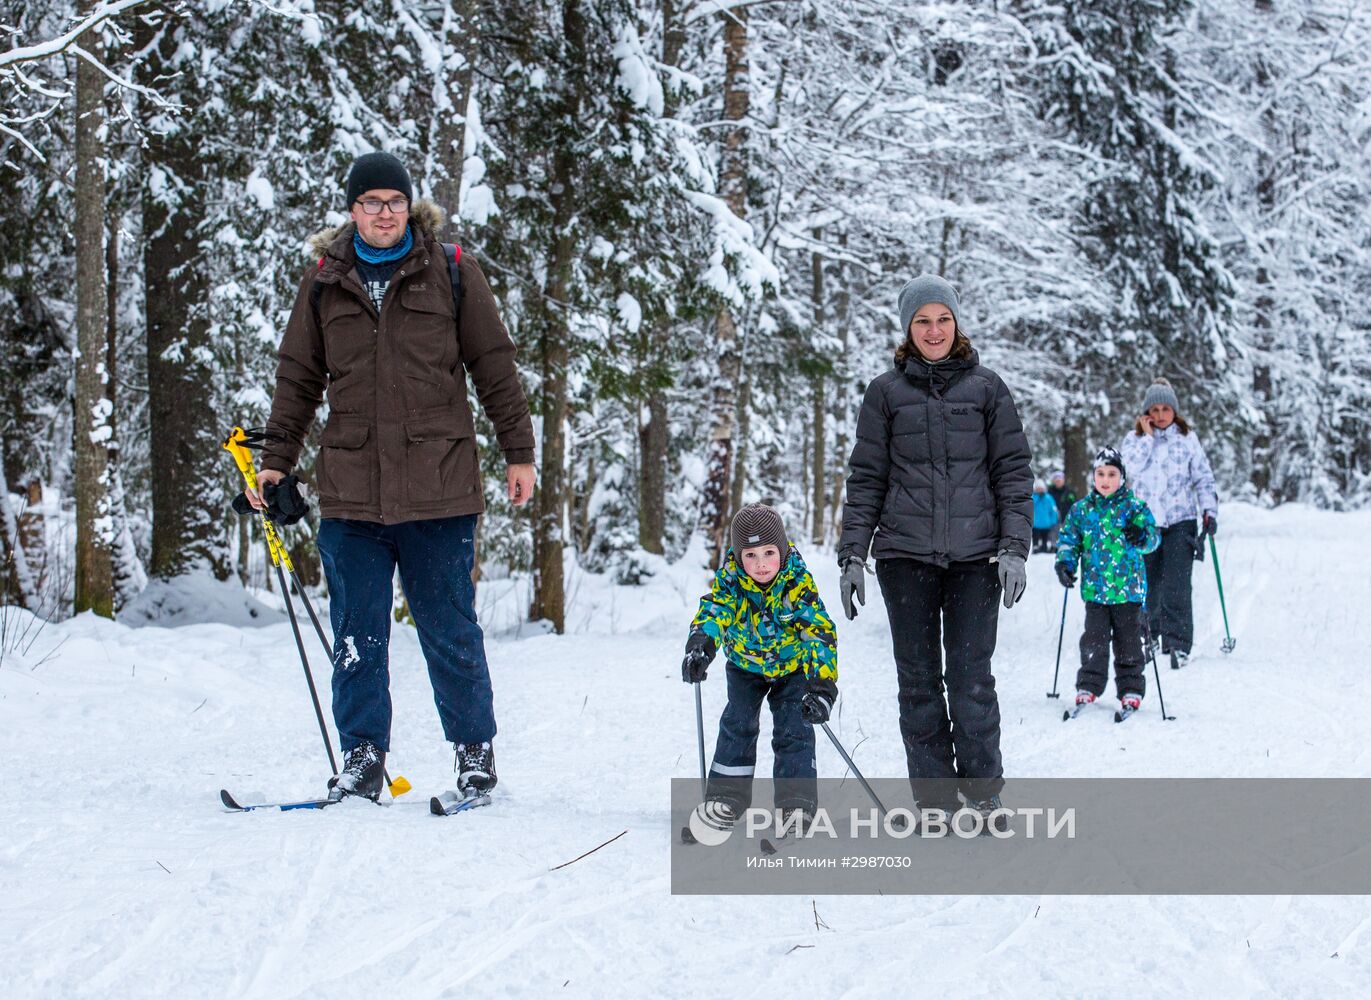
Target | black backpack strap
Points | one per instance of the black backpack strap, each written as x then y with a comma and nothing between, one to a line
316,289
453,254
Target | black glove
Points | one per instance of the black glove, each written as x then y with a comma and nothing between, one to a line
241,505
1210,526
852,583
699,654
1135,535
817,704
815,708
1066,575
285,503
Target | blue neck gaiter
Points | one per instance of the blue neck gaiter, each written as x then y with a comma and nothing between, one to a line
371,255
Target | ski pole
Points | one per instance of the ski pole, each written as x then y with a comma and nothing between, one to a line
237,445
843,753
1228,641
1157,674
1061,632
700,735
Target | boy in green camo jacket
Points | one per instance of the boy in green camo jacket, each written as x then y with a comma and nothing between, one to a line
763,610
1107,534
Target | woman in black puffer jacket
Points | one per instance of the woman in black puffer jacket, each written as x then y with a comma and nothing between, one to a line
942,477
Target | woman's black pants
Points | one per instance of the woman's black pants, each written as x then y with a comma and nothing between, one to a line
949,715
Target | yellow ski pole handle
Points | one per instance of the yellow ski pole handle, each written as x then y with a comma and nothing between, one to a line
236,445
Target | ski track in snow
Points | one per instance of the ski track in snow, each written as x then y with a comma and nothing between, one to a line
121,876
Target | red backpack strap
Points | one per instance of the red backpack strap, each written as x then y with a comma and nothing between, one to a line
453,253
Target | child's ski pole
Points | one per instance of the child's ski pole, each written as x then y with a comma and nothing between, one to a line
1157,674
843,753
1061,632
700,739
1228,641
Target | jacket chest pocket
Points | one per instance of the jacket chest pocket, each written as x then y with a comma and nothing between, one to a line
348,330
440,454
424,330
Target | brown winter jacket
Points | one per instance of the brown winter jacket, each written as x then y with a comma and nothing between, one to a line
400,442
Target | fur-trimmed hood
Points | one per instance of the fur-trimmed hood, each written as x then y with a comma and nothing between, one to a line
336,241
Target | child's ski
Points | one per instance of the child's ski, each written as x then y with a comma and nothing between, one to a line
1071,713
1123,714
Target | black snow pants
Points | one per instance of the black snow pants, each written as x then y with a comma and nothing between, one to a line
1123,624
1168,587
949,715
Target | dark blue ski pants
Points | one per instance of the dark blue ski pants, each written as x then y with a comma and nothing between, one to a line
435,559
792,741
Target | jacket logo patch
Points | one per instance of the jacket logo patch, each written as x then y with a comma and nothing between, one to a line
960,411
420,286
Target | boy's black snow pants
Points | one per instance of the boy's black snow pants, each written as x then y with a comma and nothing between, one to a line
1122,622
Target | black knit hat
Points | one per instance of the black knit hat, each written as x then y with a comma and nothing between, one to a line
1110,456
378,172
757,524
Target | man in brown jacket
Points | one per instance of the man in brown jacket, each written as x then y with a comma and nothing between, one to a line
374,330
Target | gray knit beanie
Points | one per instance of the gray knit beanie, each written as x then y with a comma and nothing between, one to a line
757,524
1160,391
919,292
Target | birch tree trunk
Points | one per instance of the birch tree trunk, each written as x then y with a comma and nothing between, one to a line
463,32
820,463
733,188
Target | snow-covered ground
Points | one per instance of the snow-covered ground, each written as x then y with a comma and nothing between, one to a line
121,876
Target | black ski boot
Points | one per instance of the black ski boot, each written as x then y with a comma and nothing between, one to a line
796,821
989,818
475,766
363,773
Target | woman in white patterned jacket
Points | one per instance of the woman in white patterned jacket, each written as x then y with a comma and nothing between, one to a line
1168,469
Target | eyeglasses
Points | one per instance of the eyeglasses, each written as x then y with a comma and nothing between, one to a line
373,206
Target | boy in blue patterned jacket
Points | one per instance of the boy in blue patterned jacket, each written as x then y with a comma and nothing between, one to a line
1107,534
763,610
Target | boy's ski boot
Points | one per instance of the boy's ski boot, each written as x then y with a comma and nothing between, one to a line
992,818
1128,704
714,820
1084,699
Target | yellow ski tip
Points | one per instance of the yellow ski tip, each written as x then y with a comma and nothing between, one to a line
399,786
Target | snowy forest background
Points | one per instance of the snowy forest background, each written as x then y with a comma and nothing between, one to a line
696,216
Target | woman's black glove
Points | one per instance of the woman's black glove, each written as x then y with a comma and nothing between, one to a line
700,651
852,584
1135,535
1066,575
1210,526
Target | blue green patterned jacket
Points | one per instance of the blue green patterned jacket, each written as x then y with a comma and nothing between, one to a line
1111,570
774,630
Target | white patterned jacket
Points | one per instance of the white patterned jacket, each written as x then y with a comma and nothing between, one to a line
1169,470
